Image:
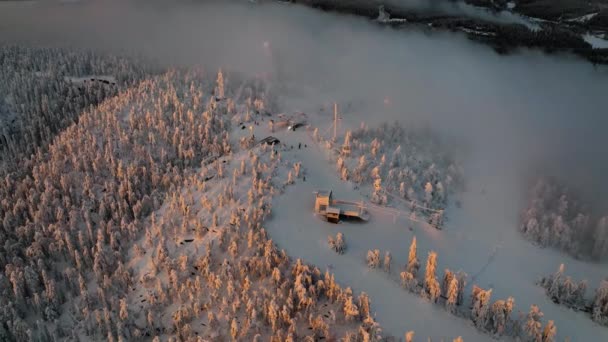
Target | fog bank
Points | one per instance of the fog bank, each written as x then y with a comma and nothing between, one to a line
516,110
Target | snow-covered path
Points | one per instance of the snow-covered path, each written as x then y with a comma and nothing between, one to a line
480,238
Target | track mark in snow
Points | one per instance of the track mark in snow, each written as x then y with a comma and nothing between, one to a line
485,266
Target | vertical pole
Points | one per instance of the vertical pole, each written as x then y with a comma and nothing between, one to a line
335,119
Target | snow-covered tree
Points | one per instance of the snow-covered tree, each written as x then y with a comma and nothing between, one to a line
600,238
549,332
533,325
431,285
351,311
599,309
413,264
219,91
480,311
562,289
452,295
408,281
387,261
373,258
338,244
556,218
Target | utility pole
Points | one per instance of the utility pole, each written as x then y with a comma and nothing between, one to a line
335,119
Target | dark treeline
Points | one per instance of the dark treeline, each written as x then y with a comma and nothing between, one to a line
42,95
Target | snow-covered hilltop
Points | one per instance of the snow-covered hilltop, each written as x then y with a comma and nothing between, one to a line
211,192
157,229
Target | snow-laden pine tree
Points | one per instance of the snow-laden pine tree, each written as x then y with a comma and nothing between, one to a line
452,295
338,244
576,296
364,305
533,324
373,258
431,285
600,238
563,290
600,304
219,90
555,288
413,264
408,281
428,193
549,332
234,329
351,311
480,311
447,279
387,261
500,315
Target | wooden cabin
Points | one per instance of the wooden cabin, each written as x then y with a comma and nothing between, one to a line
333,214
323,201
334,210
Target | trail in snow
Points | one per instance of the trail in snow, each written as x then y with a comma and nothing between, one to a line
485,266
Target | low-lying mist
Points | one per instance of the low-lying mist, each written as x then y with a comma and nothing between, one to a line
460,8
519,113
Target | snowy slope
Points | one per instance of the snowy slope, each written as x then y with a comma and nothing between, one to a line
481,239
295,228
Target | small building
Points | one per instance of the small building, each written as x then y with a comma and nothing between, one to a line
333,214
322,201
334,210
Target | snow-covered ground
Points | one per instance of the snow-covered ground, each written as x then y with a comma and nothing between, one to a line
293,226
481,238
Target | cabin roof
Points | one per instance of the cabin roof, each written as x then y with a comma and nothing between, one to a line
333,210
323,193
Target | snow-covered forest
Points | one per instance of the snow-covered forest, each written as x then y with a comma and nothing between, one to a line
158,178
564,290
44,90
93,226
405,166
557,217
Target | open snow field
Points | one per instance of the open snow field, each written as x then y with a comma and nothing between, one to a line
481,239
